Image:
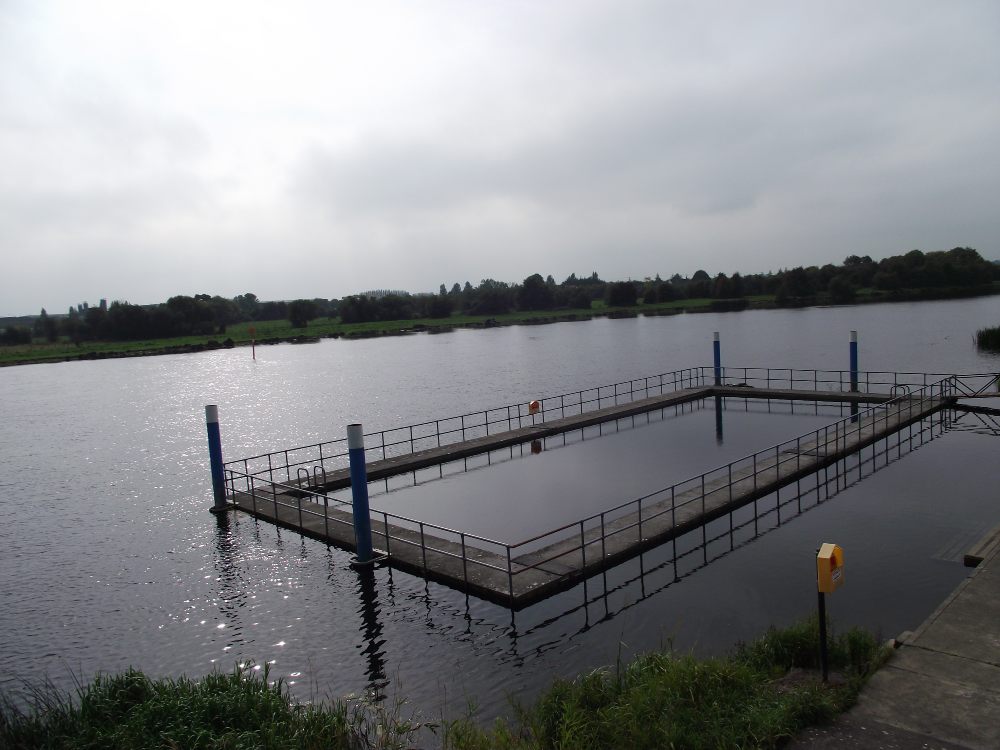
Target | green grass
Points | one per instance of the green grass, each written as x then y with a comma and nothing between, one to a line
660,700
664,700
237,710
989,339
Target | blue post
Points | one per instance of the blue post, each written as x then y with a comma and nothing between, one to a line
717,350
215,458
359,492
854,361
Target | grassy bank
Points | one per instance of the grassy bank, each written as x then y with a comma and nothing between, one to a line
756,697
238,710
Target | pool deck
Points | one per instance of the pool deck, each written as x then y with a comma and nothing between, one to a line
527,574
941,688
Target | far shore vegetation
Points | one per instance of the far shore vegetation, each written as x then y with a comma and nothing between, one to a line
185,323
759,696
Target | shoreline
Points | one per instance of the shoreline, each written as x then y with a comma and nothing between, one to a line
444,325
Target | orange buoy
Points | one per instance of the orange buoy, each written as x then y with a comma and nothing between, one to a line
534,407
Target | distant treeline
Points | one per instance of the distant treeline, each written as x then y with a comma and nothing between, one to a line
914,275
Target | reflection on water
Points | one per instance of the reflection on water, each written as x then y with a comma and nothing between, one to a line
371,630
110,557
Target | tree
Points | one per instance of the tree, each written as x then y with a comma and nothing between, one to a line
301,311
722,288
621,294
14,335
535,294
440,306
248,304
45,327
840,289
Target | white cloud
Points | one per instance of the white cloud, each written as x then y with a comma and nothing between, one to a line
322,148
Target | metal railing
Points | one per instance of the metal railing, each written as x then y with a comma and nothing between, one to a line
869,381
331,455
394,531
713,489
710,490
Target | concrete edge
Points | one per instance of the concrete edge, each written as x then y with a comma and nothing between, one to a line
956,592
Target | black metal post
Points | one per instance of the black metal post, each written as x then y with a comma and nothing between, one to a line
823,656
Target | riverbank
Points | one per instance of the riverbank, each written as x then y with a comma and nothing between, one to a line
282,331
760,695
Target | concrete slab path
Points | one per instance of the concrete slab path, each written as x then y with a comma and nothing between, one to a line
941,688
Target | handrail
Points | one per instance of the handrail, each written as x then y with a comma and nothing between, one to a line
834,434
841,431
409,439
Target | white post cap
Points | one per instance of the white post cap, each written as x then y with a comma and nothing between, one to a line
715,336
211,414
355,436
854,337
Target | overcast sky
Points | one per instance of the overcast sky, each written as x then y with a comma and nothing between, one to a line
317,149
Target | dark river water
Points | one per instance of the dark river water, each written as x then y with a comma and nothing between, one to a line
110,557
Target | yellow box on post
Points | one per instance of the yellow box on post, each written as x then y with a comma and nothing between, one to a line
829,568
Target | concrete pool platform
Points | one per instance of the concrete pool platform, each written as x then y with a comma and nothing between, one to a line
525,572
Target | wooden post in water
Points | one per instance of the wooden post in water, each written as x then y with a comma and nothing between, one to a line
215,458
359,493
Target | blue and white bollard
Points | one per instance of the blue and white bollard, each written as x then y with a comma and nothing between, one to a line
717,351
854,361
215,458
359,493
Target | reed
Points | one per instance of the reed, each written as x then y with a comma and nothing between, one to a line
988,339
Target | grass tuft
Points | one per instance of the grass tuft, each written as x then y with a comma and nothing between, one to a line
664,699
236,710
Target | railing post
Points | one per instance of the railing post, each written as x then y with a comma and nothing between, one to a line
717,357
359,493
510,576
215,458
465,566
